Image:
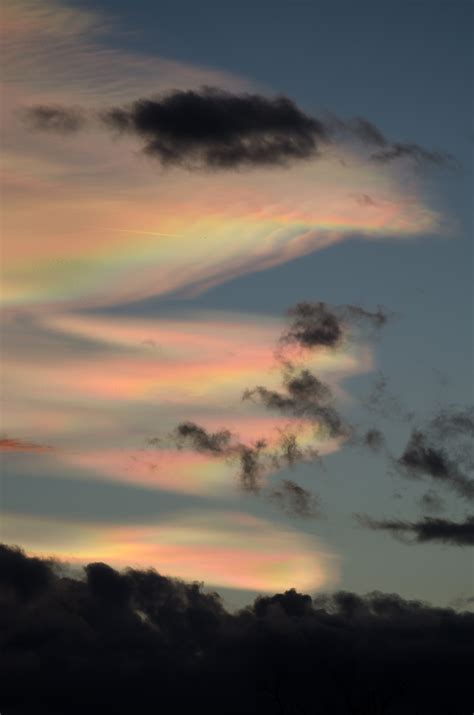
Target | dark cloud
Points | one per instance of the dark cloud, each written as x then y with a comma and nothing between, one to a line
442,451
55,119
422,457
428,529
383,402
252,465
312,324
366,131
294,499
251,458
203,441
365,200
414,152
305,397
118,643
290,453
452,422
254,460
368,134
374,439
215,129
318,324
21,578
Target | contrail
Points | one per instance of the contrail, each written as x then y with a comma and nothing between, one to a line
145,233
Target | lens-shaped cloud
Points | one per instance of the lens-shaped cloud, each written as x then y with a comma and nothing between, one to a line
222,548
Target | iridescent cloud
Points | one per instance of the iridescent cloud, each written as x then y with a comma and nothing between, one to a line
102,386
88,221
230,549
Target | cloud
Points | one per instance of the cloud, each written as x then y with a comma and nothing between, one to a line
414,152
106,231
213,128
294,499
383,402
60,120
442,453
203,441
254,459
223,444
306,400
429,529
318,324
23,578
12,444
422,457
305,397
367,133
374,439
450,422
216,129
225,548
118,634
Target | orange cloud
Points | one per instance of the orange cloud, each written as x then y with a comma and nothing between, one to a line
223,548
11,444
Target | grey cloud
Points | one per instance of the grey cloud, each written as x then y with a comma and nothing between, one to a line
428,529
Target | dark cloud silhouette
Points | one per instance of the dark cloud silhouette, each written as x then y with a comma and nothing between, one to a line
318,324
312,324
374,439
365,200
55,118
383,402
116,643
305,397
414,152
428,529
423,458
443,452
367,133
294,499
21,578
216,129
452,422
253,459
289,452
252,465
202,440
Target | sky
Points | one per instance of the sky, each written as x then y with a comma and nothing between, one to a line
236,328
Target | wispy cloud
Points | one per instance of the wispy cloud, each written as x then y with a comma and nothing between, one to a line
230,548
429,529
13,444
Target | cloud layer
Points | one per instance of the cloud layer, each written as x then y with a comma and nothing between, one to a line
120,634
